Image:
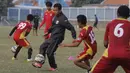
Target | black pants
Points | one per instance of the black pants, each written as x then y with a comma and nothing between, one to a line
35,26
49,47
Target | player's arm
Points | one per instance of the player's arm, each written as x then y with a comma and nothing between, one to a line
43,21
106,37
74,44
28,31
49,31
67,25
26,34
12,31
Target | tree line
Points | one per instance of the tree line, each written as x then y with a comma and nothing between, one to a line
79,3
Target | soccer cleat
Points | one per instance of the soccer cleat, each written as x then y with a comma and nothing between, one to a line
29,60
13,58
52,69
37,65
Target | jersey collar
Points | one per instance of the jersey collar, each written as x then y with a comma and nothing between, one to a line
122,19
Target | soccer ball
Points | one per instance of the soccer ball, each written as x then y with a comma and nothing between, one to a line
39,58
38,61
13,49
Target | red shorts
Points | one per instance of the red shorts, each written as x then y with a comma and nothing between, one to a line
87,54
22,42
108,65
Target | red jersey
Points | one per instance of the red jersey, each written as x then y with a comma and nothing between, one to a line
118,35
48,16
87,35
22,28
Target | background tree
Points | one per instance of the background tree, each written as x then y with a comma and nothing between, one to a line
4,4
79,3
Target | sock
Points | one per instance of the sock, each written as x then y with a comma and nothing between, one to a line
30,50
17,51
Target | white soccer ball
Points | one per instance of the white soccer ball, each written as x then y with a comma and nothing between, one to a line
13,49
39,58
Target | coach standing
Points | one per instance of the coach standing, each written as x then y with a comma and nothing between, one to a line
59,25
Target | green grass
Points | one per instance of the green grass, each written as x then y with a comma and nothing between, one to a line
64,66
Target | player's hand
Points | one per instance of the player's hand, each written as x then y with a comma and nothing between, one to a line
9,37
46,34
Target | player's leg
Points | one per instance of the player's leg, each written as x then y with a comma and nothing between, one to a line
125,63
44,46
82,61
42,53
25,43
51,52
36,29
18,42
16,53
104,65
30,50
88,64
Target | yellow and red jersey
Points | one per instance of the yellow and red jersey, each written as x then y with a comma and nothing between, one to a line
22,28
118,35
47,19
87,36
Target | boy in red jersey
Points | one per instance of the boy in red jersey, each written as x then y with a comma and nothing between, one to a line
20,31
48,16
116,40
90,45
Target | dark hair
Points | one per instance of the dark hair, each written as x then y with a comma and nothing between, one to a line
30,17
82,19
123,11
49,4
58,5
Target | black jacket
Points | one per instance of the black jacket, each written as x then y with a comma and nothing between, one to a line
59,25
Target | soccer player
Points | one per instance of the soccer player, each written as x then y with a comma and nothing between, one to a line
49,47
47,19
90,46
36,23
116,40
96,21
20,31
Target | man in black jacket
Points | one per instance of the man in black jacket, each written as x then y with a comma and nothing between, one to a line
59,25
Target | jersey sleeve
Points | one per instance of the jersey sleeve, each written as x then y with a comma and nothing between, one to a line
81,36
65,23
106,36
29,28
43,21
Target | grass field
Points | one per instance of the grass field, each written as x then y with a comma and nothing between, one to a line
64,65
